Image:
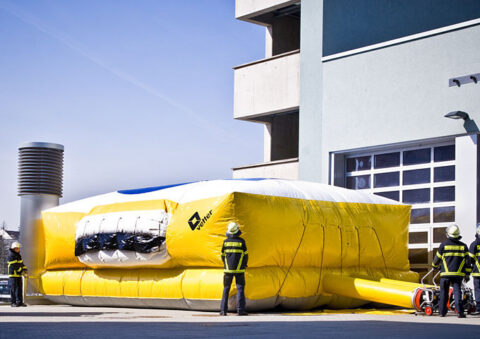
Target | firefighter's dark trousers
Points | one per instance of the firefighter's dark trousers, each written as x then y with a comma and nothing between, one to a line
445,283
227,283
476,286
16,290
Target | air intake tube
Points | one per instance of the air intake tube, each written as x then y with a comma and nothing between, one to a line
40,176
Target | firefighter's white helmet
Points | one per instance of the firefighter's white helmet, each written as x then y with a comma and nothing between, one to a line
453,231
233,228
15,244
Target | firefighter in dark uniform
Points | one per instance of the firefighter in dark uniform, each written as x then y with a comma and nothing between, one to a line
453,259
16,269
475,259
235,257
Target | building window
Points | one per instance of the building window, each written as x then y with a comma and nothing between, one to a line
284,136
387,160
423,177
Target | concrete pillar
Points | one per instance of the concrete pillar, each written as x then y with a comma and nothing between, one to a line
268,42
311,88
466,177
267,142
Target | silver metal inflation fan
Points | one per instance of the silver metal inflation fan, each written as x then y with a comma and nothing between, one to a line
40,180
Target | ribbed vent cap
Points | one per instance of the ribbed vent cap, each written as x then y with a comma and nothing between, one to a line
40,168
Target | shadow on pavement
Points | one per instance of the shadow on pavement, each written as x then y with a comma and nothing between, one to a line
274,329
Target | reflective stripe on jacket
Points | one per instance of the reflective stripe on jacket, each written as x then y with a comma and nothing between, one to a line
475,257
234,254
15,264
453,258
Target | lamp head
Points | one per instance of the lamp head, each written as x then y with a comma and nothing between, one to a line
457,115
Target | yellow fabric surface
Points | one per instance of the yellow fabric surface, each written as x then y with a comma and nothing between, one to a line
389,293
59,232
278,232
207,284
202,245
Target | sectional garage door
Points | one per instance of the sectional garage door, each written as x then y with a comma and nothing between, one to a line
423,177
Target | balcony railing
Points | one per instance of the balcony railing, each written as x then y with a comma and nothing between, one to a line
280,169
267,86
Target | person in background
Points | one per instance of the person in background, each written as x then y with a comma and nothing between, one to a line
235,257
454,261
16,269
475,260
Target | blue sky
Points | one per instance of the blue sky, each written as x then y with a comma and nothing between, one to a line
140,93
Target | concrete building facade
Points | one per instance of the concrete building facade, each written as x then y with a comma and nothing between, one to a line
364,108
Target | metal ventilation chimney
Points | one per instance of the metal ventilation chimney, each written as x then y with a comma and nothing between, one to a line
40,176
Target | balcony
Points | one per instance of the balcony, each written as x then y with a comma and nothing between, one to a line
267,86
259,11
281,169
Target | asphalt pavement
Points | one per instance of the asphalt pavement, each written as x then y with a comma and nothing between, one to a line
62,321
